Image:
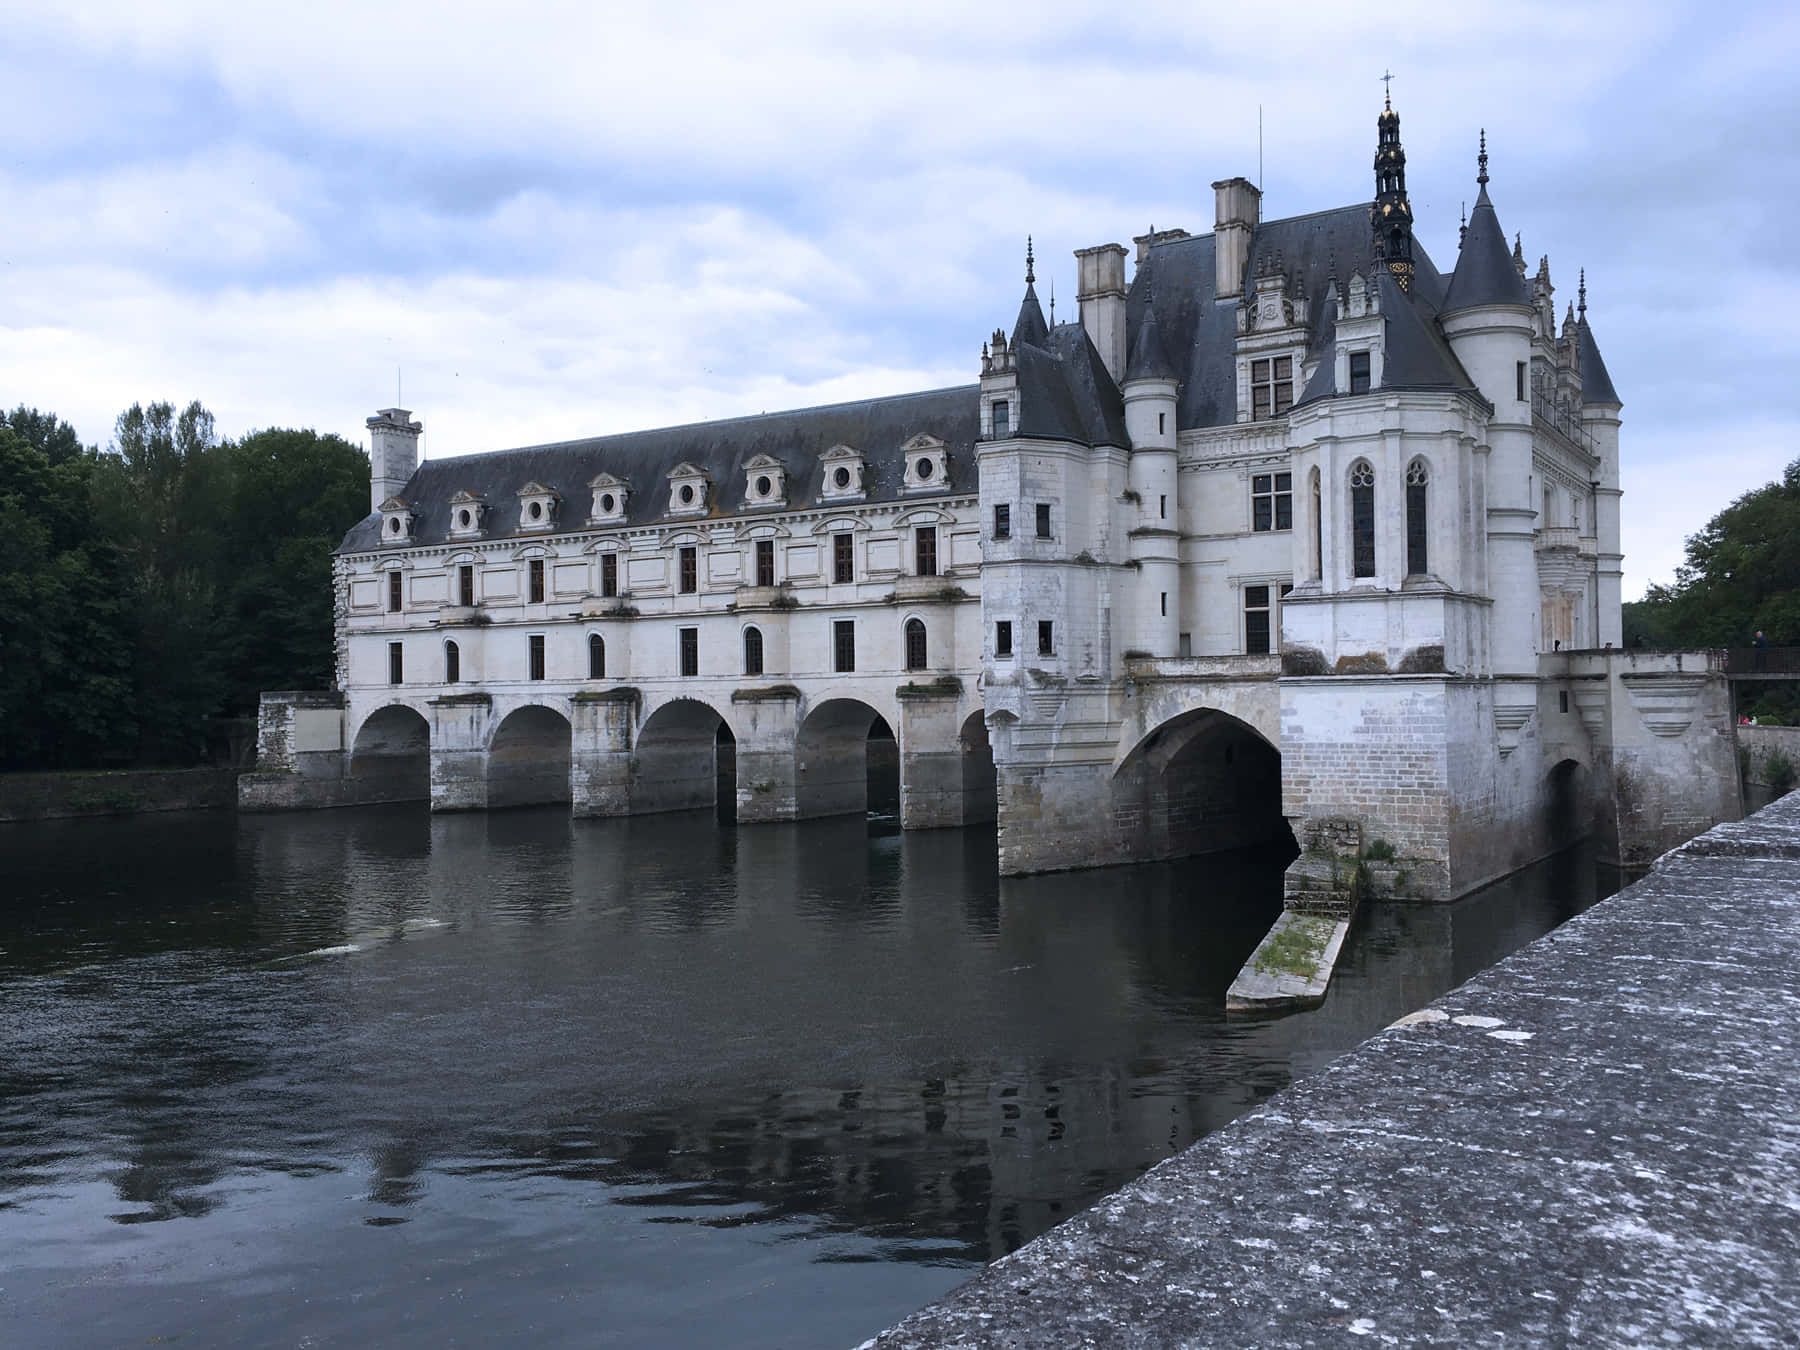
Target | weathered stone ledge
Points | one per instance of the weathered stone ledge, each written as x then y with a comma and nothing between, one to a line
1595,1142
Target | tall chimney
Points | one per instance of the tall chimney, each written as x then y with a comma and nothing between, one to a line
393,453
1238,203
1101,274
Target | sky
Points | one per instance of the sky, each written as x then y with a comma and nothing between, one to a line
533,222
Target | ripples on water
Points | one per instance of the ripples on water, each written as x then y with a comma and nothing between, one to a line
379,1077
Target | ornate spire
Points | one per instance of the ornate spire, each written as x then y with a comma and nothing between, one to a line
1030,275
1582,293
1462,231
1481,159
1390,217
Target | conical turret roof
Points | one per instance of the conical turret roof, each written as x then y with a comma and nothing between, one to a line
1485,271
1149,359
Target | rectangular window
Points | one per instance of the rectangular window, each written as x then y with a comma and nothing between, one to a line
843,646
1562,700
1256,620
609,574
465,586
690,651
1043,520
690,570
765,562
925,550
536,648
396,664
395,582
1165,604
1271,387
1162,420
1002,521
843,558
1162,506
1046,637
1184,645
1002,418
536,583
1003,638
1359,372
1519,380
1272,501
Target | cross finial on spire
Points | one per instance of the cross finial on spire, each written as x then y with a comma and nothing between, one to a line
1053,302
1030,275
1387,89
1462,232
1582,293
1481,159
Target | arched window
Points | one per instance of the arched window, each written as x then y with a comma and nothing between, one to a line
452,663
1416,479
596,657
1318,529
753,651
1362,519
915,644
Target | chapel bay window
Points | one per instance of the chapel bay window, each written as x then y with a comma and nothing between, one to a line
843,646
1271,501
843,558
753,651
690,570
915,644
1362,520
925,550
596,657
765,562
609,574
452,663
536,581
1417,478
1271,387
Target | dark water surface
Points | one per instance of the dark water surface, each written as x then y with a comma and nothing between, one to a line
376,1077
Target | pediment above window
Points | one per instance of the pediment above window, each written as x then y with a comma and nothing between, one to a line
467,510
611,494
843,476
927,464
397,518
765,481
537,507
689,488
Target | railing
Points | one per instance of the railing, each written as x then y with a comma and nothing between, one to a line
1563,418
1756,663
1559,536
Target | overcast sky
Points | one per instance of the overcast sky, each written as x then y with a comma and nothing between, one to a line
565,220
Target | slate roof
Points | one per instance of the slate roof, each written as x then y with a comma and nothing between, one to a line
1596,384
1030,326
1485,271
1149,359
1065,392
875,427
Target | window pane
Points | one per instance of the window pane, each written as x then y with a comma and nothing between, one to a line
844,631
925,550
1256,632
1284,397
690,651
1002,521
1259,372
1284,482
596,657
843,566
1284,512
1362,529
1415,530
1043,520
1256,597
1260,483
452,663
1259,402
1003,638
1259,513
753,651
765,562
1046,634
609,574
1284,367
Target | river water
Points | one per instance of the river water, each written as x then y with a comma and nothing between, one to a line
377,1077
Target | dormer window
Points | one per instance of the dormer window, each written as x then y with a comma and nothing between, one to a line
927,466
765,481
1359,372
466,511
843,467
396,521
1271,387
537,507
688,490
1002,418
610,496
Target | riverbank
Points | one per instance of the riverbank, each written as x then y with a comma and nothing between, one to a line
1590,1143
113,792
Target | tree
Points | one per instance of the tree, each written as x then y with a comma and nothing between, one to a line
47,433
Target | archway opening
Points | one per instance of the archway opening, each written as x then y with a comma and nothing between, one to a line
685,759
1565,817
980,790
391,757
1202,782
846,762
528,759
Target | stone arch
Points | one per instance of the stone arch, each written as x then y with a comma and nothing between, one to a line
980,788
528,758
1566,817
846,761
390,756
684,759
1202,781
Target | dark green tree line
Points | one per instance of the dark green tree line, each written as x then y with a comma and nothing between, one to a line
161,582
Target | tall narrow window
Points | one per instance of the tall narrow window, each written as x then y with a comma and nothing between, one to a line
1002,520
465,585
1162,423
1256,620
915,644
535,651
609,574
843,558
1043,520
1162,506
536,580
395,582
396,664
1002,418
1272,501
1417,476
690,570
1362,519
1046,637
1271,387
1003,638
690,651
925,550
1359,372
843,645
1318,528
452,663
596,657
1519,380
765,562
753,651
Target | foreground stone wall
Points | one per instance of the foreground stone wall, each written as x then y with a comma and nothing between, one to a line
1591,1143
55,796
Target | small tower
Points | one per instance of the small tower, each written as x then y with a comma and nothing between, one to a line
1390,217
1150,388
393,453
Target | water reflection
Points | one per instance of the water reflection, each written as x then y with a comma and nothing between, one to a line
780,1063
